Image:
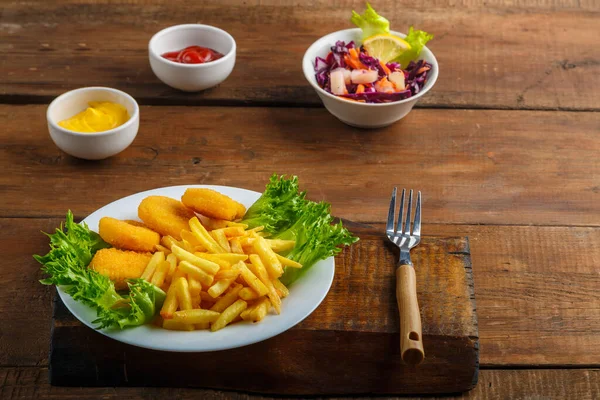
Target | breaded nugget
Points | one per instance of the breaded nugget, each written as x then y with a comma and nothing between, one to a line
135,223
127,236
165,215
120,265
213,204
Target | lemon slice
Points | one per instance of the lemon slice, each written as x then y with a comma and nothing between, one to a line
385,47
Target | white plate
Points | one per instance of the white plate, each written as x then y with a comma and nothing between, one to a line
305,294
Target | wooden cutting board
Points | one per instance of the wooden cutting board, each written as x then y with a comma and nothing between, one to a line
349,345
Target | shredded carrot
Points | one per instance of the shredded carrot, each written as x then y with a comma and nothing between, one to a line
353,53
423,69
360,88
385,68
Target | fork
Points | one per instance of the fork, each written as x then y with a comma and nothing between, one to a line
411,341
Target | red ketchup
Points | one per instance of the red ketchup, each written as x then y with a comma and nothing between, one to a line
193,55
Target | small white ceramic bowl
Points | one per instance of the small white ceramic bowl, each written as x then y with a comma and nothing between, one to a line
362,115
92,146
192,77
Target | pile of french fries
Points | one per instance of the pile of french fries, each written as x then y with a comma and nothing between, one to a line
220,272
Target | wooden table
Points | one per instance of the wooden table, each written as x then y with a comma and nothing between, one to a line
505,148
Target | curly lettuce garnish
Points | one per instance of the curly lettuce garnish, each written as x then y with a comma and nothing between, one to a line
370,22
72,247
286,214
417,40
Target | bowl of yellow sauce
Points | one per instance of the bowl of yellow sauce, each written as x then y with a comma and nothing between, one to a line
93,123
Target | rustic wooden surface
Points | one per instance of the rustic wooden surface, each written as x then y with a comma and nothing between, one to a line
474,166
506,169
538,54
350,344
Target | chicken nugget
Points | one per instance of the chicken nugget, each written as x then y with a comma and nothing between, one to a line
213,204
165,215
127,236
119,265
135,223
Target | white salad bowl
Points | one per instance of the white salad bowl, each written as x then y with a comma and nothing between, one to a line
92,146
362,115
192,77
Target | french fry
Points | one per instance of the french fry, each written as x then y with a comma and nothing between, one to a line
247,241
236,246
232,231
172,259
248,294
281,287
227,274
207,266
257,311
205,297
251,279
187,246
162,248
228,315
219,287
196,302
203,325
204,237
178,274
170,304
229,257
228,299
233,223
221,239
195,316
268,257
198,273
259,270
256,229
213,223
195,286
183,294
279,245
158,277
156,259
190,238
177,326
168,241
213,257
286,262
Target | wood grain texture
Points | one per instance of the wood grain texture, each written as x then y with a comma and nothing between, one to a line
539,54
350,345
554,384
529,314
473,167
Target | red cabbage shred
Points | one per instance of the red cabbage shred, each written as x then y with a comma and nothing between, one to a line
415,74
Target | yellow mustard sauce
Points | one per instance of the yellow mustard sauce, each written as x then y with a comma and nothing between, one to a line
98,117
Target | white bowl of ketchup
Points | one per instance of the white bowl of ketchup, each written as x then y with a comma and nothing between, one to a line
192,77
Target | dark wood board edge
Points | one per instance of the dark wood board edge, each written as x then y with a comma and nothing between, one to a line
63,322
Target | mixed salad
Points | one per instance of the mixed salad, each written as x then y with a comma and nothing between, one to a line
383,69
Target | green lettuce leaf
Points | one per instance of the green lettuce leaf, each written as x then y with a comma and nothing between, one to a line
72,247
370,22
417,40
286,214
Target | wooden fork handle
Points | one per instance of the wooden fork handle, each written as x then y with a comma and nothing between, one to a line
411,340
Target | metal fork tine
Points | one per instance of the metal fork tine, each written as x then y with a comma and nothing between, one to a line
407,223
417,225
400,214
390,220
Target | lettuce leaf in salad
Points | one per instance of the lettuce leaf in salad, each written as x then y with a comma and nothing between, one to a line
370,22
417,40
286,214
72,247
